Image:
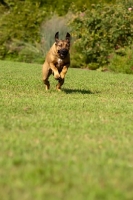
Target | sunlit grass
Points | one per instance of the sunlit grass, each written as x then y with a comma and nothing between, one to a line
74,144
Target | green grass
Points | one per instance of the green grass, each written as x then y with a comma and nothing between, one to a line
76,144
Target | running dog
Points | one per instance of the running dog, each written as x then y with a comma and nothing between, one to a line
57,61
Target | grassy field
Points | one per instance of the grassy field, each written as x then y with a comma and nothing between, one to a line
76,144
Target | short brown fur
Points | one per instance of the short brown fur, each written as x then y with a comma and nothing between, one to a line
57,61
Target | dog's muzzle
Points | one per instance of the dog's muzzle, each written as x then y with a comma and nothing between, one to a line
63,53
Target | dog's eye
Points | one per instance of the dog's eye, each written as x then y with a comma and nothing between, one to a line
67,45
60,45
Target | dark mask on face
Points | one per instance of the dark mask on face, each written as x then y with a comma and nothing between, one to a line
63,53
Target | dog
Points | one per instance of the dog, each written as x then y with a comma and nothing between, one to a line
57,61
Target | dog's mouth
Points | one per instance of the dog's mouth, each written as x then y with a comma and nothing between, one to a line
63,53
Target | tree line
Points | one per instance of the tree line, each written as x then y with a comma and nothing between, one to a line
100,30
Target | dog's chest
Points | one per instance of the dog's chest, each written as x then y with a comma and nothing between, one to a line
59,62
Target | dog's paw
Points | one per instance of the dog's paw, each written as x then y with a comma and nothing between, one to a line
62,76
57,76
47,87
58,87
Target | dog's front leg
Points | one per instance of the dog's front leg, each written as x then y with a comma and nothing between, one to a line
64,71
62,77
55,71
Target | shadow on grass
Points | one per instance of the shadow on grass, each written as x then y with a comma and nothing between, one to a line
69,91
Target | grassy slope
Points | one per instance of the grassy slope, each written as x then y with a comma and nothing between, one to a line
74,144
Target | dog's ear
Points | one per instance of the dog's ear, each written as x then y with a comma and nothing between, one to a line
57,37
68,37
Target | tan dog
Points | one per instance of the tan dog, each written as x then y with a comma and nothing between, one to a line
57,61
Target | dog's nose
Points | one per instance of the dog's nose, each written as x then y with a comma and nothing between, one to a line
63,51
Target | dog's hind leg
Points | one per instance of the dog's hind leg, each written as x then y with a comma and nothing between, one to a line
46,74
46,82
60,83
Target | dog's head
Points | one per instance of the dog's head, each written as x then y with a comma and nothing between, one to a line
62,46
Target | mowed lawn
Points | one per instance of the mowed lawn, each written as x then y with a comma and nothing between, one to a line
76,144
